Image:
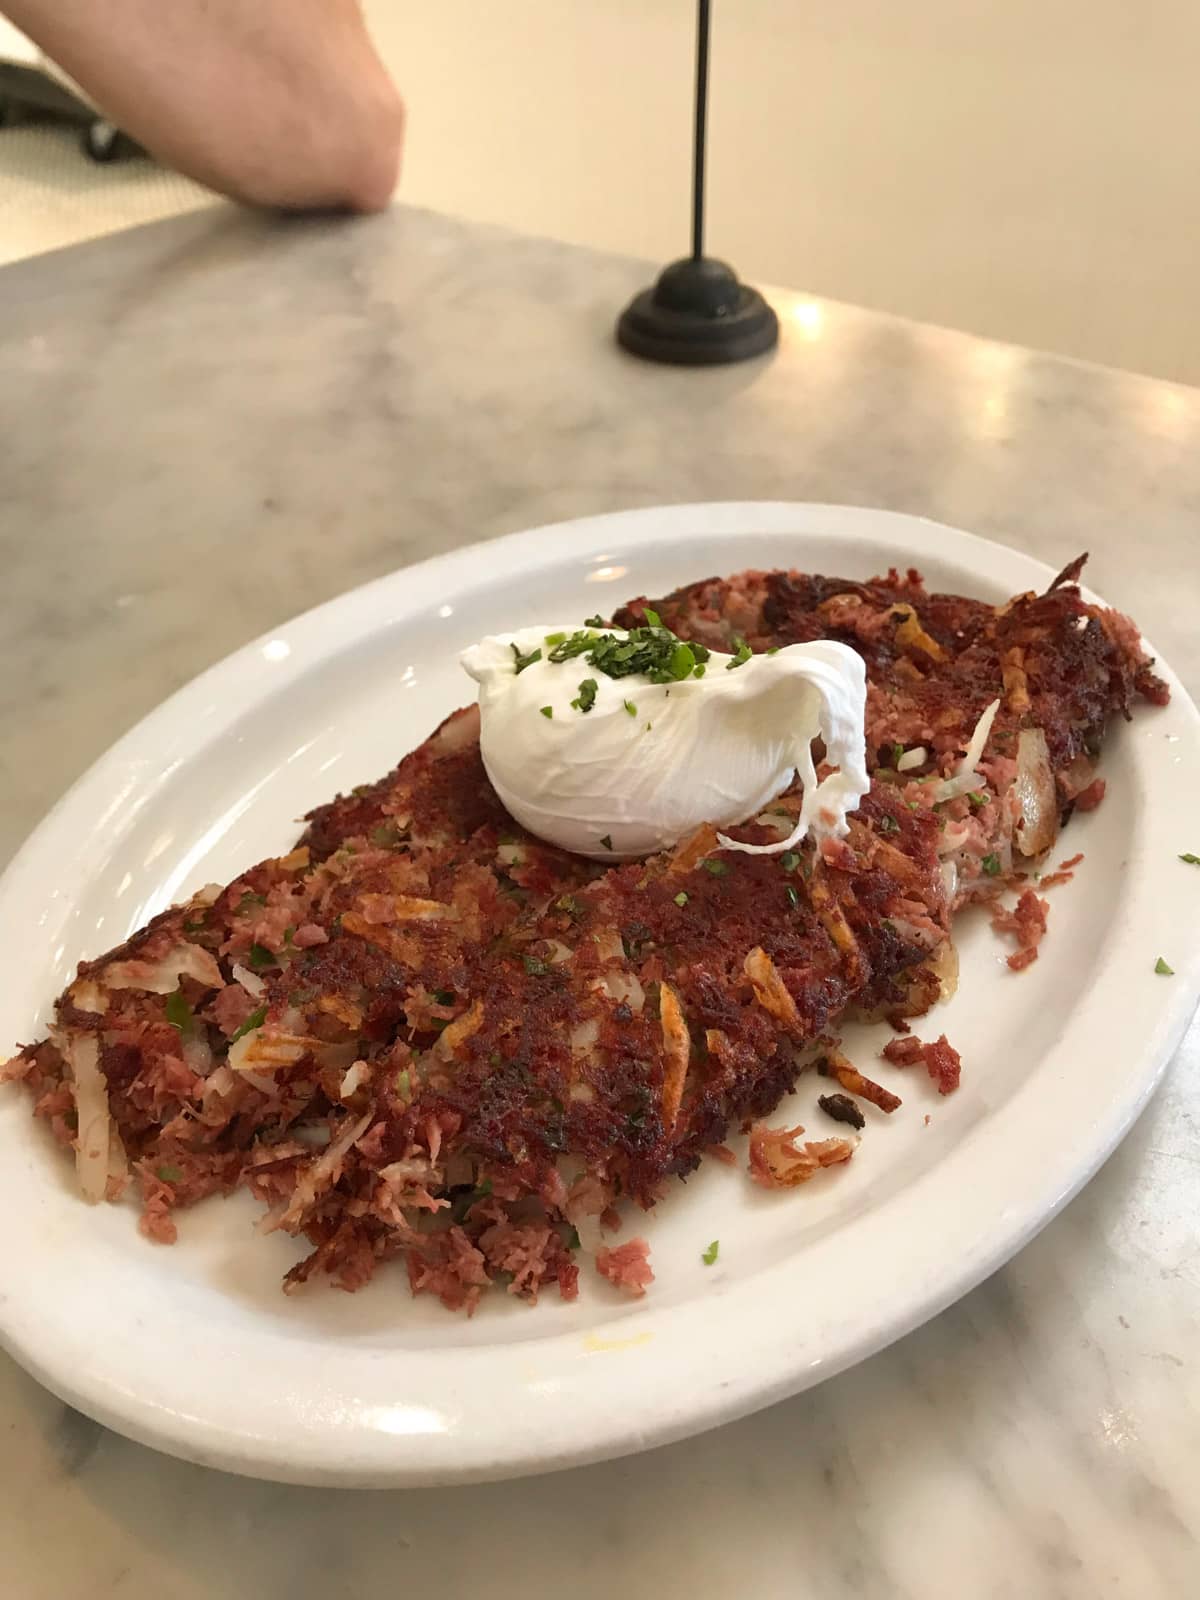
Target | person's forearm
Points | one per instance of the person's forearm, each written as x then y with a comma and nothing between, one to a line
276,102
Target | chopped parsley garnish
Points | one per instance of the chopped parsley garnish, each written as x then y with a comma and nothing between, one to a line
888,824
681,898
742,654
444,997
289,935
789,861
594,622
719,869
179,1013
1191,858
254,1020
991,865
710,1255
404,1084
897,752
630,707
385,835
249,900
261,957
774,650
527,660
606,841
653,652
586,697
547,711
535,966
793,897
1163,970
573,1239
555,638
976,799
169,1174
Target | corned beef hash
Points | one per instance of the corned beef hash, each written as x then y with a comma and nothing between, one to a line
426,1033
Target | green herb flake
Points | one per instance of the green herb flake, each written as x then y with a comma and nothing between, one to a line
681,898
254,1020
793,897
586,697
386,835
573,1239
774,650
404,1084
554,638
606,841
991,865
535,966
742,654
1191,859
719,869
261,957
178,1012
594,622
888,824
710,1255
653,620
527,660
249,900
630,707
699,671
547,711
976,799
789,861
289,937
169,1174
444,997
897,752
1163,970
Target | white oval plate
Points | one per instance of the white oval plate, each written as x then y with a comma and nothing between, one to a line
195,1350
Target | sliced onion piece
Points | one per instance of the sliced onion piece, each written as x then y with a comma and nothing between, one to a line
1034,784
966,778
91,1109
911,759
250,981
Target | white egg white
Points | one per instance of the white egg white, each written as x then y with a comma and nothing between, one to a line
650,762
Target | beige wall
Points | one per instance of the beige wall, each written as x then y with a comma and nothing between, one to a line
1027,169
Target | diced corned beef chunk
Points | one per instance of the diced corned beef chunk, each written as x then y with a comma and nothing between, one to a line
627,1266
940,1057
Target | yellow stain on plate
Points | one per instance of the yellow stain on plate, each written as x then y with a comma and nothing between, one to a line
595,1345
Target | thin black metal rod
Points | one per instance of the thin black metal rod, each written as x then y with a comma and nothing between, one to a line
702,21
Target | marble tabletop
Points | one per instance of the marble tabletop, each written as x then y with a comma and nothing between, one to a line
210,424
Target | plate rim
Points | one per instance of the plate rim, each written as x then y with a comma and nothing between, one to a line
356,1451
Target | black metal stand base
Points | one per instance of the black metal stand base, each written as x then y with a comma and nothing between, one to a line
698,314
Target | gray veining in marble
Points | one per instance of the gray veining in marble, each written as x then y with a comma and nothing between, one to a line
210,424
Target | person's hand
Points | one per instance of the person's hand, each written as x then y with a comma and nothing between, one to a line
277,103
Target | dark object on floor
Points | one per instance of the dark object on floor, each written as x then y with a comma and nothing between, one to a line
30,95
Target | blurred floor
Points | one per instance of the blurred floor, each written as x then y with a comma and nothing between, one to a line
51,194
1023,171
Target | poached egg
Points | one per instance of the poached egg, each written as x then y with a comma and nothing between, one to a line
616,768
